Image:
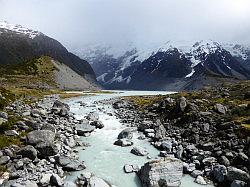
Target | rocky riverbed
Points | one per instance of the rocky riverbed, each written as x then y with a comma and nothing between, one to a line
187,140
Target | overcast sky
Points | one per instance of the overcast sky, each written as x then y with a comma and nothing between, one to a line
78,22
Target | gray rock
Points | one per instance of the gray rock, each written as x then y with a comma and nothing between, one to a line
93,116
224,161
56,180
179,152
36,113
200,180
131,168
220,108
167,146
11,133
4,160
126,133
196,173
28,152
220,173
58,105
123,142
45,180
182,103
139,151
38,136
97,124
70,142
238,183
3,115
48,126
46,149
164,172
128,168
191,149
237,174
208,146
209,161
69,164
63,112
160,131
84,128
188,168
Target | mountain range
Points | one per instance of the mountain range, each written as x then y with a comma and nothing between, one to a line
19,44
168,66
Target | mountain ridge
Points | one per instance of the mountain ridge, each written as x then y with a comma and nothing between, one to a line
205,57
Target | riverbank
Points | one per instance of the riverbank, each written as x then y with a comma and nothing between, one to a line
208,130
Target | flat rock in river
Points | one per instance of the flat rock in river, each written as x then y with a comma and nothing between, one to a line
84,128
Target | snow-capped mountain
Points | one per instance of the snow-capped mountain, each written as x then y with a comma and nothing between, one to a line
19,29
155,66
19,44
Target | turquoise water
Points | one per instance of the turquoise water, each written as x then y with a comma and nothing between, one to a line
103,158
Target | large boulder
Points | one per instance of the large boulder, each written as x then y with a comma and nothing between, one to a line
221,109
59,105
38,136
126,133
46,149
69,164
163,172
220,173
81,129
28,152
237,174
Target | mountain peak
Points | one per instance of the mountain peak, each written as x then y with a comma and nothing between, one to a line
18,29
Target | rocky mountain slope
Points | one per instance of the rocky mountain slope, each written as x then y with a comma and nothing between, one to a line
172,65
19,44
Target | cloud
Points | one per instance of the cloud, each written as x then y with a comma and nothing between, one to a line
78,22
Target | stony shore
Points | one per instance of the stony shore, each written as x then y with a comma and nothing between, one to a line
203,142
49,136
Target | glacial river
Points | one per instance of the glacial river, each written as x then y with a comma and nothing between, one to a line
103,158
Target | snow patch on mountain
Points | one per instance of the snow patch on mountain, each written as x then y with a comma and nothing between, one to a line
240,51
19,29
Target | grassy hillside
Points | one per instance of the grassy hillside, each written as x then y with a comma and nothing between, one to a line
35,73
